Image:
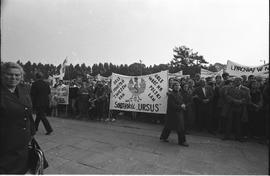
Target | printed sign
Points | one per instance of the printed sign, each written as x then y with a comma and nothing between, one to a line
140,93
177,74
62,93
235,69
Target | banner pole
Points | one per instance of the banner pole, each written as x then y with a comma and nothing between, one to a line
66,109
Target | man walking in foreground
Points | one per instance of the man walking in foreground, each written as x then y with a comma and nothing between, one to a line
40,92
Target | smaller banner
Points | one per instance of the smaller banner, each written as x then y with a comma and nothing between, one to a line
177,74
62,93
235,69
103,78
140,93
206,73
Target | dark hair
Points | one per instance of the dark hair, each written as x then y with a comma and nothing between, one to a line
225,74
217,76
174,83
39,75
251,76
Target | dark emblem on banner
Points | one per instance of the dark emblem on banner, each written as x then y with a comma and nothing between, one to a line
136,87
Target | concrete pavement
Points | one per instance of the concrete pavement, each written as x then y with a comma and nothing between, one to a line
129,147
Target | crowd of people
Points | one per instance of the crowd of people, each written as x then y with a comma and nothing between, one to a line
87,100
233,107
237,108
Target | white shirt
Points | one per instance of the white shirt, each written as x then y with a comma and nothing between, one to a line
203,89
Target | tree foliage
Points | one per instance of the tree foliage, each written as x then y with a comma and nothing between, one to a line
184,59
187,60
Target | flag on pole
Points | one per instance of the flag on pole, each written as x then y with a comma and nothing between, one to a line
63,68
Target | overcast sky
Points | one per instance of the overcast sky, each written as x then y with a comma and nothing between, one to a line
126,31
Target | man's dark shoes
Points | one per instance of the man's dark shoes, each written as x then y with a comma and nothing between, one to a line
164,140
240,139
48,133
184,144
225,138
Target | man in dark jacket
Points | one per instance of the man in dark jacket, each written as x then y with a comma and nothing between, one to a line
238,97
40,92
175,116
203,95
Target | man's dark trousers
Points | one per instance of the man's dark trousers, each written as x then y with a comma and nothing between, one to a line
41,116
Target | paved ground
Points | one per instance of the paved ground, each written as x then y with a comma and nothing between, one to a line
128,147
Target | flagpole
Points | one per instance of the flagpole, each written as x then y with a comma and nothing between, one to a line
66,69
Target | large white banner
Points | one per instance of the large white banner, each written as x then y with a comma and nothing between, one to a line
140,93
235,69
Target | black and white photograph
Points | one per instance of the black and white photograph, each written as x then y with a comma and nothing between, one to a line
134,87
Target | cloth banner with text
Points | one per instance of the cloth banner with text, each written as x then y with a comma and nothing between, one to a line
103,78
235,69
140,93
177,74
206,73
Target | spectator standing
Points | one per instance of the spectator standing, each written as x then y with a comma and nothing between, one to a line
260,82
223,104
255,110
238,96
266,96
54,103
92,100
83,100
250,79
73,96
197,79
107,90
188,114
225,77
40,92
203,95
100,100
216,108
244,80
16,122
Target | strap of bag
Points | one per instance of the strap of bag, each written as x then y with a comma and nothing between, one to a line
34,143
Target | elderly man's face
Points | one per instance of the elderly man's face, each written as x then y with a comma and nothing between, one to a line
218,79
197,77
237,82
176,86
202,83
12,77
